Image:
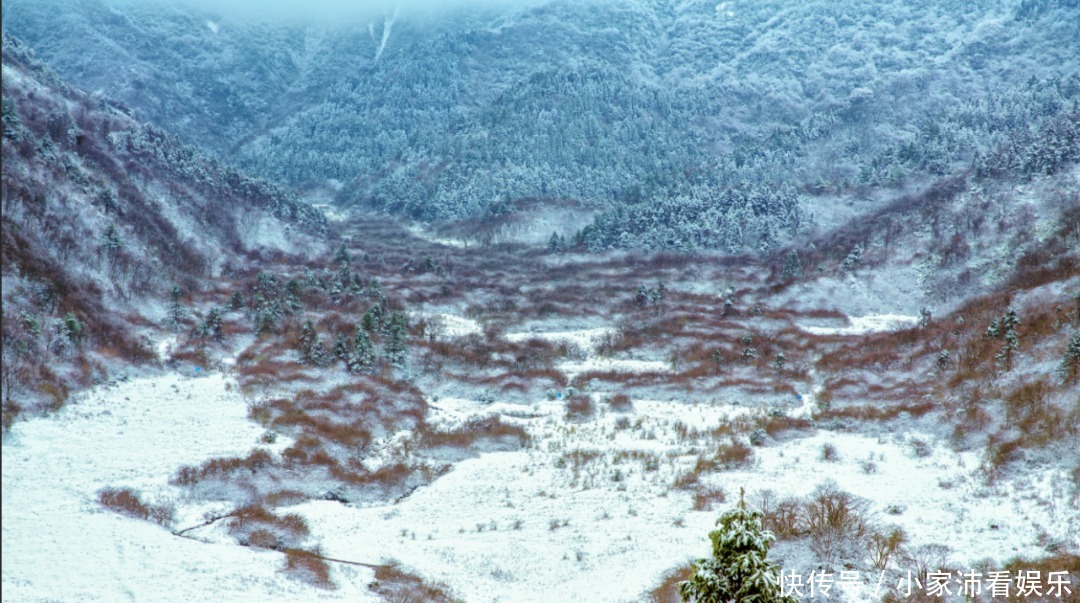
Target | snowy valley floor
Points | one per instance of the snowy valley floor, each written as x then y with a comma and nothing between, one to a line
586,511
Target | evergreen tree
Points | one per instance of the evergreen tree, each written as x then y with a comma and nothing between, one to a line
375,288
556,244
738,571
363,354
293,305
111,241
642,296
341,349
749,354
307,341
318,355
176,310
853,259
1070,363
236,301
70,331
213,327
395,350
342,256
717,357
792,266
430,265
729,308
779,361
1006,329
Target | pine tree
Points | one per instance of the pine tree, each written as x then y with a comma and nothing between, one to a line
341,349
395,350
1006,329
342,256
111,241
292,297
749,354
738,571
792,266
307,341
319,356
642,296
212,326
363,354
430,265
853,259
236,302
1070,363
556,243
778,362
729,308
176,311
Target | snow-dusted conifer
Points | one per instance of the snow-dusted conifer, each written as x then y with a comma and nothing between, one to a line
792,266
738,570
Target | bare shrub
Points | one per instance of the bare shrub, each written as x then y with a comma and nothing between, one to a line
881,546
927,558
254,525
705,498
620,403
308,566
395,584
126,502
835,522
579,407
921,448
490,428
735,454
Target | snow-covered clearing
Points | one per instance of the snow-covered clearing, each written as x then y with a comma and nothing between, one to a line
60,544
862,325
454,326
584,339
421,232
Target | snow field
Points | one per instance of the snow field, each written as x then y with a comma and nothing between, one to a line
586,510
59,543
863,325
533,525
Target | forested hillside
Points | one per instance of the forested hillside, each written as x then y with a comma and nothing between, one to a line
109,226
739,113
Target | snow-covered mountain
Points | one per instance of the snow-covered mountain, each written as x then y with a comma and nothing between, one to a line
869,331
609,104
103,217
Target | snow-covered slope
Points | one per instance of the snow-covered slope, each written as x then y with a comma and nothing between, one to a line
60,544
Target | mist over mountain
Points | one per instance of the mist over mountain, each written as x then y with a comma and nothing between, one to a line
741,108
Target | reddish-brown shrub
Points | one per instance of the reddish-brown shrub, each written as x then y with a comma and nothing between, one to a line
309,566
579,407
126,501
